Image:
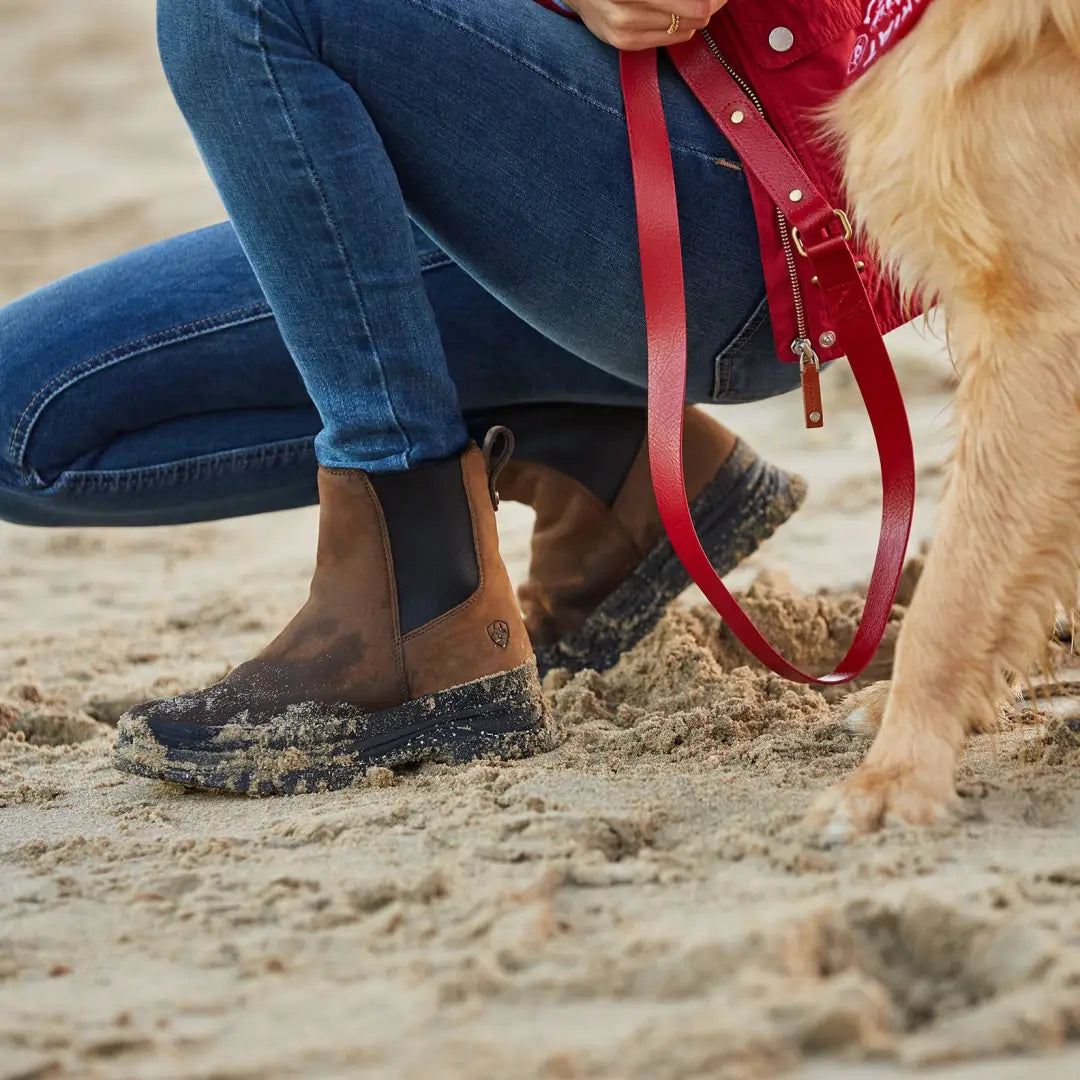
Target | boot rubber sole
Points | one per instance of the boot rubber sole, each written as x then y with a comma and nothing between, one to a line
740,508
315,746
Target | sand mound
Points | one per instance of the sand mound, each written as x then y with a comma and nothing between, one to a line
672,696
28,715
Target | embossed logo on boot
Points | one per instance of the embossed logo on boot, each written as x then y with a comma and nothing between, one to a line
499,632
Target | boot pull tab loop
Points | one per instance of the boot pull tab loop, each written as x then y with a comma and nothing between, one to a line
498,450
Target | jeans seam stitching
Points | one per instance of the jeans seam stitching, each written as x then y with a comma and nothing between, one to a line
171,335
498,47
80,478
328,217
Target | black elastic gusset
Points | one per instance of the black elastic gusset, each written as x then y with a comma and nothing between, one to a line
431,538
595,444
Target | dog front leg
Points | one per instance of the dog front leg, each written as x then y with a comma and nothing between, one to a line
1004,551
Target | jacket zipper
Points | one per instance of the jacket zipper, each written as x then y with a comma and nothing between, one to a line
802,346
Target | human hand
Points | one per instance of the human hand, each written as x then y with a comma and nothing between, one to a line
643,24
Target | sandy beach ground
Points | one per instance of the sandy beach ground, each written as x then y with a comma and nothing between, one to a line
641,903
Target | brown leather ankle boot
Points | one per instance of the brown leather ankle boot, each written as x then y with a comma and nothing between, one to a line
411,648
603,570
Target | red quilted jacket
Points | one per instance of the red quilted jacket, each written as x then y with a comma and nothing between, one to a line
795,55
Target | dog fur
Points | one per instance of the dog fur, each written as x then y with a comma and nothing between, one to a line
962,152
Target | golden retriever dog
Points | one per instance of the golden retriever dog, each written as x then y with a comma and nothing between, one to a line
962,149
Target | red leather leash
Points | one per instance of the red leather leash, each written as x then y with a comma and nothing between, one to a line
761,152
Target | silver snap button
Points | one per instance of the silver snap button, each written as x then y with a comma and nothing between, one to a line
737,117
781,39
827,340
815,418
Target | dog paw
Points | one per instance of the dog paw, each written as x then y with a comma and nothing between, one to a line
874,797
864,710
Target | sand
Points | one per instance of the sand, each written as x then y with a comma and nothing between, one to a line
642,902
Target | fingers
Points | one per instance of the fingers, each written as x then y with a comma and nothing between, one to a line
645,25
698,12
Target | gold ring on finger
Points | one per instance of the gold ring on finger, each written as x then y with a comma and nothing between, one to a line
674,27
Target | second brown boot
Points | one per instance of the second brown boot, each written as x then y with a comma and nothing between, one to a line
411,648
603,569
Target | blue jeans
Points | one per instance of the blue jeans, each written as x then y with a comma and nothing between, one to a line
431,213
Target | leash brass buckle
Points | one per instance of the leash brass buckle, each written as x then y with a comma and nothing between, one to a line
844,220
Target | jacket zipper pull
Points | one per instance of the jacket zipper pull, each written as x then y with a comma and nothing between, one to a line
810,369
